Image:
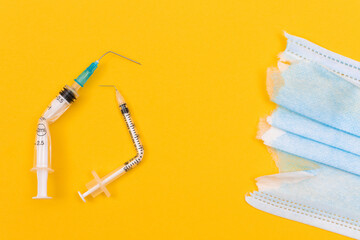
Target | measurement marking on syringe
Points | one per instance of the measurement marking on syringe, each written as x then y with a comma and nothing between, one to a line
41,130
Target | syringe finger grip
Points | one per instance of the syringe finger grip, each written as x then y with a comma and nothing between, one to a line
98,184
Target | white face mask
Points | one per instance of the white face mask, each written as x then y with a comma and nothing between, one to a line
316,137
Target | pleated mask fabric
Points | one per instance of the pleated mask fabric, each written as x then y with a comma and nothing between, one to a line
314,137
297,124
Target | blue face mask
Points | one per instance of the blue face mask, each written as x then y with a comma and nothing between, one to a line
312,91
323,197
297,124
315,136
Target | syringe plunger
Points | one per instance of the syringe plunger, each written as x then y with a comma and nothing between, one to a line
42,176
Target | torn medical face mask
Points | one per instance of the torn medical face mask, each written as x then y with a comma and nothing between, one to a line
314,135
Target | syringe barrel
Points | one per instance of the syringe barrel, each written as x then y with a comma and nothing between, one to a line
42,160
97,185
42,145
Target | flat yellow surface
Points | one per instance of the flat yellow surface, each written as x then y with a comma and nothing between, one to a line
196,101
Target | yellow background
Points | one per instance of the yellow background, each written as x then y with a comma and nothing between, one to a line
196,101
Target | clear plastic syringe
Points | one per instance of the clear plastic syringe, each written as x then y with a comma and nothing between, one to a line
97,185
42,158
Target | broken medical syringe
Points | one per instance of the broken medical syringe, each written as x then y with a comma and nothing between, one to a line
97,185
42,161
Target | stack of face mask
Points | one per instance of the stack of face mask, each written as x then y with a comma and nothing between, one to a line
314,136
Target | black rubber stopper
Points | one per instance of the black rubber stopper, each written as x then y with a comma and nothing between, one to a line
68,95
